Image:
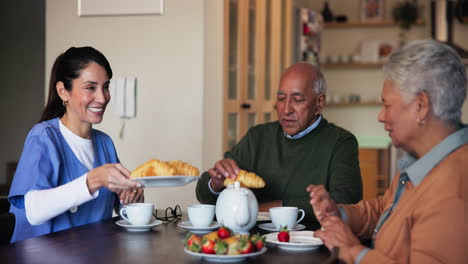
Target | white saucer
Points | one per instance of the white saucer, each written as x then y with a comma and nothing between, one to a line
198,230
138,228
270,227
298,240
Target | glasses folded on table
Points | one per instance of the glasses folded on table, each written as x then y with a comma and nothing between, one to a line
170,214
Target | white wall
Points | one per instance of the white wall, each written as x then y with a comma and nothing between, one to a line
213,82
166,54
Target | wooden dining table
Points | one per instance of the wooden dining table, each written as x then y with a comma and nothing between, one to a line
106,242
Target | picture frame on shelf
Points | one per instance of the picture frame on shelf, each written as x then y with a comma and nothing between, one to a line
372,10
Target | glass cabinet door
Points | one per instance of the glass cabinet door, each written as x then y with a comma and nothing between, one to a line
256,43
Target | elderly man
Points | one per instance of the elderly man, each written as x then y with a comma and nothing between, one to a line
299,149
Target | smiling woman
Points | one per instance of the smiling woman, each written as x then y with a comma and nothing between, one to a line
77,67
69,173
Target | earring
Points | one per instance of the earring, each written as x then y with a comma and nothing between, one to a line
64,103
420,121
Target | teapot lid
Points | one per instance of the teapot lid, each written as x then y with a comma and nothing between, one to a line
236,185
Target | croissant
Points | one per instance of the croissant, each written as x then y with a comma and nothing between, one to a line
183,168
156,167
246,179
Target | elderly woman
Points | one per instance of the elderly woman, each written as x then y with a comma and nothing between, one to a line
421,217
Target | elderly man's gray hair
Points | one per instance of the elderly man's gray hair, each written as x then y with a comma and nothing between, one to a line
433,67
320,86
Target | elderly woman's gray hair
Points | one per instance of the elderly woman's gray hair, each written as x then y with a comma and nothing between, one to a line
433,67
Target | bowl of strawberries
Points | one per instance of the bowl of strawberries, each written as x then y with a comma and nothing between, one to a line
223,245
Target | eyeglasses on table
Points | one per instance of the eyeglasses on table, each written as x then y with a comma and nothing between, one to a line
170,214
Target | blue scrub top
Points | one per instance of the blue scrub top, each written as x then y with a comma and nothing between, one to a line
47,161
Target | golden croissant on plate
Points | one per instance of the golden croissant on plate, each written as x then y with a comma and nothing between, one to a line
156,167
246,179
183,168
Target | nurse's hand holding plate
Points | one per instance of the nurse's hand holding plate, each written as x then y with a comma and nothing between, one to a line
114,177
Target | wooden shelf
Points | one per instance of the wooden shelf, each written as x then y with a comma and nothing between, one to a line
353,24
351,65
355,104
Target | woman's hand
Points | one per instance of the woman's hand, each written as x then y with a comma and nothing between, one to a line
131,196
335,233
222,169
321,202
112,176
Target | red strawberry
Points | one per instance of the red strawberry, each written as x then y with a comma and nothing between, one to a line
221,247
193,242
258,241
208,246
224,232
283,235
246,246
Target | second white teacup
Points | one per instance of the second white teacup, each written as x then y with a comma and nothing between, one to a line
201,215
285,216
137,213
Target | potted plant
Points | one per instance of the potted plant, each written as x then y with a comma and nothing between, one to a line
406,14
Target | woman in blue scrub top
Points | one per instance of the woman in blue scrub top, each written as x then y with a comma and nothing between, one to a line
69,173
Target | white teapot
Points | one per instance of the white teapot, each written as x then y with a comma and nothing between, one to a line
237,208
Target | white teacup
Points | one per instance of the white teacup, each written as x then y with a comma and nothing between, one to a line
201,215
137,213
285,216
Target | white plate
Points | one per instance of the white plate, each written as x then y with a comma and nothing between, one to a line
225,258
298,240
198,230
270,227
138,228
165,181
263,216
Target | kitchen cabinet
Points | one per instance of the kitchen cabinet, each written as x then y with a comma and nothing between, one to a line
374,161
257,48
374,165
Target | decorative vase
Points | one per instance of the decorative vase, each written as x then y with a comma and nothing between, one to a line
327,13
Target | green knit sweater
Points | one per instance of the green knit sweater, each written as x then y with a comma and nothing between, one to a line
327,155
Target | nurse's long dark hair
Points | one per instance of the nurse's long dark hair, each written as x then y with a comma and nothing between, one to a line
66,68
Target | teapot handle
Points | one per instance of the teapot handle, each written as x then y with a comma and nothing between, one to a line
242,214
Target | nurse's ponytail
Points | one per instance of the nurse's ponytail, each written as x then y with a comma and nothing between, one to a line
66,68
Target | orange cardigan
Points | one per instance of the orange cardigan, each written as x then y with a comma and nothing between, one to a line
429,224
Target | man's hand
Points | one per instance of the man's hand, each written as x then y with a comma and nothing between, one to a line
221,170
321,202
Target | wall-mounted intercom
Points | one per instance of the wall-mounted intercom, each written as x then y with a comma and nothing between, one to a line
123,93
